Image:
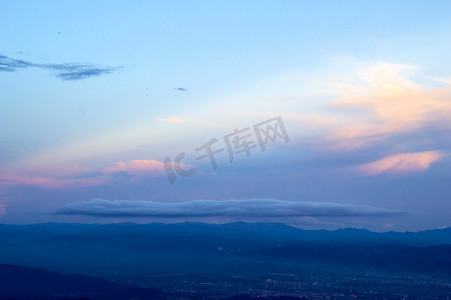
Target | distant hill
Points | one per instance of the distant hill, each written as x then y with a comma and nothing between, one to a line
251,231
278,231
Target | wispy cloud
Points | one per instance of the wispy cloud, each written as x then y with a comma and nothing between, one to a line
9,65
384,104
83,73
67,72
74,176
249,208
386,114
402,163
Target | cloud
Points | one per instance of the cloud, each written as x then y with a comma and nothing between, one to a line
384,103
75,176
249,208
173,119
180,89
135,167
84,73
67,72
9,65
400,163
369,107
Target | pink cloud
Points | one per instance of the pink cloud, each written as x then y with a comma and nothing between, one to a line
402,163
135,167
386,104
173,119
76,176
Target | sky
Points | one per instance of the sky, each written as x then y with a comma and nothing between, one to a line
319,114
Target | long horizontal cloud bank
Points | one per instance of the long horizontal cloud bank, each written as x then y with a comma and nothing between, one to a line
63,71
249,208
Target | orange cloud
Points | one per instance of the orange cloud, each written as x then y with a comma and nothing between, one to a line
387,103
400,163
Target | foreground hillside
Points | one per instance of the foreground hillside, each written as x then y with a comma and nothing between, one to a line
17,282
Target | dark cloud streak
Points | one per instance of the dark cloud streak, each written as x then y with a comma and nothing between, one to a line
84,74
66,72
9,65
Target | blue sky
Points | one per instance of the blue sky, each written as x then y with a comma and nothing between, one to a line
91,106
